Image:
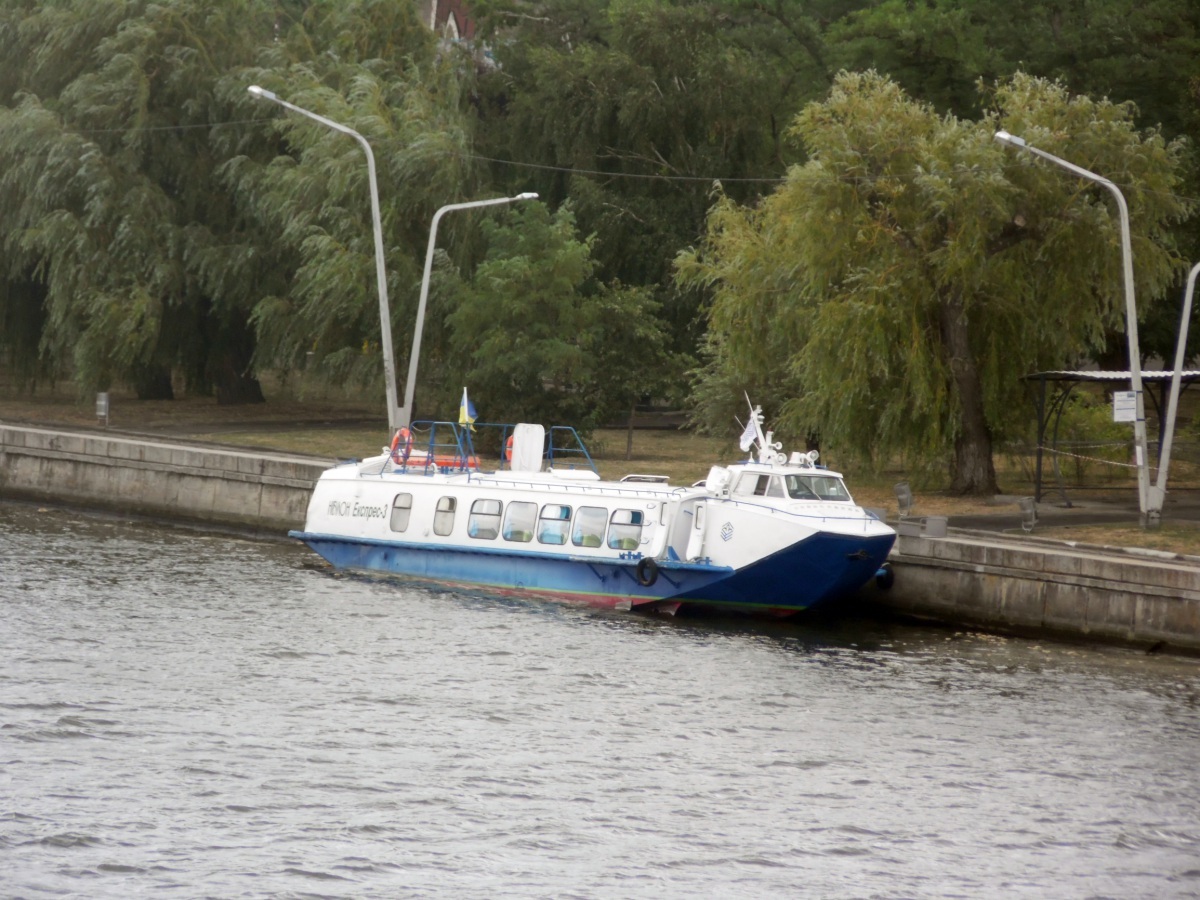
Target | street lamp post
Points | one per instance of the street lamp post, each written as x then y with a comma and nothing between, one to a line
1159,491
1149,504
385,322
410,385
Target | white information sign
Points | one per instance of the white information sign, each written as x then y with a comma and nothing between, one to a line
1124,406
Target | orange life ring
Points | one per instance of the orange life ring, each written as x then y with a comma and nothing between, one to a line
508,449
402,442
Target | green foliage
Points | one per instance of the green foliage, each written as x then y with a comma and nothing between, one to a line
319,206
381,78
108,174
537,338
751,319
159,221
168,231
935,50
648,102
1092,441
1137,51
913,269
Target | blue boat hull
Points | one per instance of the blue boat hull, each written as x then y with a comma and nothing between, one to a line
811,573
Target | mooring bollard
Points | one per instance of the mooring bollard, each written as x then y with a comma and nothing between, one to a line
1028,513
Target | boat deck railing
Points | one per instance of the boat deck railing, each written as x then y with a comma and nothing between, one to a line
439,446
450,447
566,442
597,489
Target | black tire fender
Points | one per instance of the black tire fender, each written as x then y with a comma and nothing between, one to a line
646,571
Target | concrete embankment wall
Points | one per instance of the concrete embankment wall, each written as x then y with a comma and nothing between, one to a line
263,493
1049,587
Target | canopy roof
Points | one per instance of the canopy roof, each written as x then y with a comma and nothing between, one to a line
1066,381
1153,375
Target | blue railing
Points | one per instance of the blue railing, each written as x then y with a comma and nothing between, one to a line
571,446
451,447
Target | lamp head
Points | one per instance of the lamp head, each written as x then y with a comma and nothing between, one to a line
1011,139
528,195
261,93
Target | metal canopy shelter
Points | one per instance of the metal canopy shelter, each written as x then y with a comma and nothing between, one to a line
1066,382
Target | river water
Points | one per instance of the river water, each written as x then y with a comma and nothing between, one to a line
189,714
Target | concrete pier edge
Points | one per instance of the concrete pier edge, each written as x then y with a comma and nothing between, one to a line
971,578
254,492
1019,585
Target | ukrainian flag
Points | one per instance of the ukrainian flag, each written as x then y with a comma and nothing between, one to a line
466,412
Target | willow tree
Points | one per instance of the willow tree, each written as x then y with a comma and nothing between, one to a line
918,269
115,219
382,74
159,221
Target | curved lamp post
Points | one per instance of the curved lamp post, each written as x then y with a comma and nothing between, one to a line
1159,492
1150,504
410,385
389,364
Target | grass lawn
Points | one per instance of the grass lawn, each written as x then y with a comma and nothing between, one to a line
1171,537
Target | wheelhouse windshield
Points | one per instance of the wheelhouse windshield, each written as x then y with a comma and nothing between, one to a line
816,487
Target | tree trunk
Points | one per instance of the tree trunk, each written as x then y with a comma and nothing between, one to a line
229,367
972,471
235,386
22,322
629,434
152,381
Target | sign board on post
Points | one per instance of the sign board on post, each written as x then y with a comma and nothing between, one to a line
1124,406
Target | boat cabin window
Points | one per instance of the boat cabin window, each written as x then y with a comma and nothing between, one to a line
625,529
484,522
816,487
554,523
401,510
443,516
519,519
590,522
752,484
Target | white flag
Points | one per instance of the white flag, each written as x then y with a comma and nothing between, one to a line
749,433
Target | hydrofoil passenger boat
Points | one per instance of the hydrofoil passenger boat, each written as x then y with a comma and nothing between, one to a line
771,535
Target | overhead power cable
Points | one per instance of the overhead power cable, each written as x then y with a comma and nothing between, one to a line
574,171
778,179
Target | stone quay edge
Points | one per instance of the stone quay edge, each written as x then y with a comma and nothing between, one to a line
1026,585
258,492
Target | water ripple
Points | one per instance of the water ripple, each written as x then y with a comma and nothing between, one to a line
193,715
